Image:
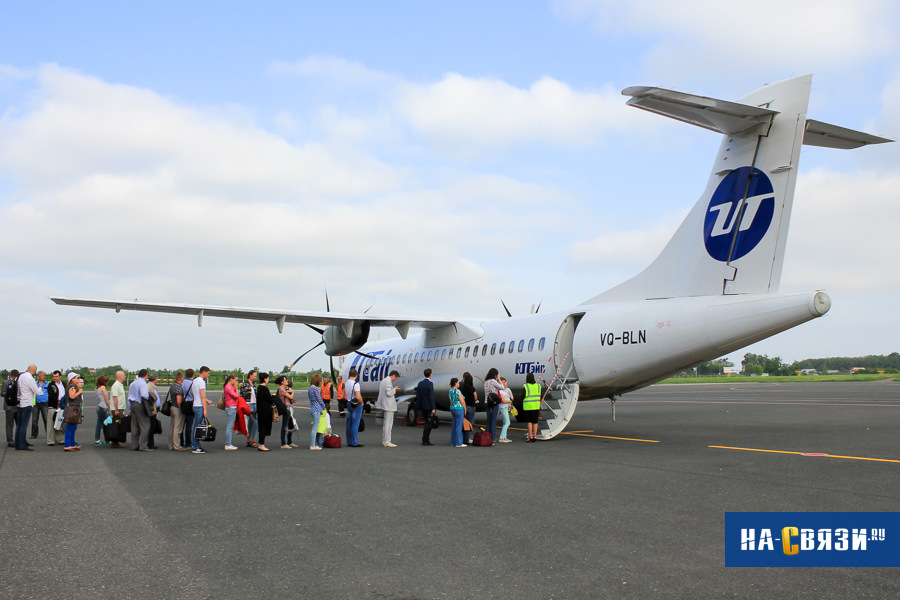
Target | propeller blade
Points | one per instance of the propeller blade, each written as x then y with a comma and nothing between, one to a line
327,303
331,366
316,329
508,314
366,355
304,354
538,309
367,310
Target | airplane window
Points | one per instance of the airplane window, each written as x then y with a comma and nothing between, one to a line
416,357
521,345
467,351
531,344
493,349
458,352
443,354
512,347
541,344
502,347
429,355
484,350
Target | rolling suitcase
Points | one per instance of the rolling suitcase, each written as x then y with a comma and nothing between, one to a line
482,438
332,441
205,432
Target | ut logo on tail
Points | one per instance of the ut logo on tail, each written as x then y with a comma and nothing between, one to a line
722,213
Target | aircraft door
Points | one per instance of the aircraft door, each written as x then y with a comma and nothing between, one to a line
563,357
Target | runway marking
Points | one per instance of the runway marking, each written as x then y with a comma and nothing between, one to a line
890,460
608,437
764,402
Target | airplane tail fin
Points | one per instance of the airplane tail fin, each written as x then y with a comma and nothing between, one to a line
732,241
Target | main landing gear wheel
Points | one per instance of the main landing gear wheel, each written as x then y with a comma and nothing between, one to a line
411,416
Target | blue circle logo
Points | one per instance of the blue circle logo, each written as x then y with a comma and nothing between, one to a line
723,222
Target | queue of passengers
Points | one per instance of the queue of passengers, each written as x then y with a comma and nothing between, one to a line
251,410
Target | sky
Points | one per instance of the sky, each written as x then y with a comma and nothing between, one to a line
420,158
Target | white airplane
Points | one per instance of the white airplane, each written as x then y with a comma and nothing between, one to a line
712,290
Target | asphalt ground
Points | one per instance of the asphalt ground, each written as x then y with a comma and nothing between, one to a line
633,508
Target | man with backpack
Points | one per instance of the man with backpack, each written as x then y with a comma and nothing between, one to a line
10,393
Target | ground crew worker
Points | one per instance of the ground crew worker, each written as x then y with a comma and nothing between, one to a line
326,393
341,395
531,406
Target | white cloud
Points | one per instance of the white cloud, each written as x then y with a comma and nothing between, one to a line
844,233
119,192
464,113
709,36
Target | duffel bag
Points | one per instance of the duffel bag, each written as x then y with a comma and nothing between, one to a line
482,438
205,432
332,441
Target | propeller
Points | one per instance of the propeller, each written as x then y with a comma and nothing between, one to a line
322,332
508,314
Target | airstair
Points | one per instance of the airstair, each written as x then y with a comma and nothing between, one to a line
559,400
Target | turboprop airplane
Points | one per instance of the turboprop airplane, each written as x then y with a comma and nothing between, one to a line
713,290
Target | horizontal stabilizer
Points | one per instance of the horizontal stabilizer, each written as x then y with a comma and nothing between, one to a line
831,136
722,116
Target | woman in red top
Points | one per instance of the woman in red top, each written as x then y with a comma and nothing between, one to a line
231,402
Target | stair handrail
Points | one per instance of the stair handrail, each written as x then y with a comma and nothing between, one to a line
555,375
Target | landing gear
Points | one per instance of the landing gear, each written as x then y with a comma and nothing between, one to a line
612,402
411,415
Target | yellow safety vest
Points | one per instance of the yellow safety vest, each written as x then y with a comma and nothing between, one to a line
532,399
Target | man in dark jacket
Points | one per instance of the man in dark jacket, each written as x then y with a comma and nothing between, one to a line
425,405
55,391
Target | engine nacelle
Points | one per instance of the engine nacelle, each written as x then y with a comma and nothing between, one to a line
344,339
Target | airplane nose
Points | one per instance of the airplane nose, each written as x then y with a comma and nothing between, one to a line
819,304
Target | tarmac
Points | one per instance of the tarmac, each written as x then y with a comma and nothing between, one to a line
632,508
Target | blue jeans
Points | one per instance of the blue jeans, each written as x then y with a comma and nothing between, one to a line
231,411
70,435
198,417
470,415
492,421
252,423
102,413
353,417
456,433
23,415
187,432
504,412
314,432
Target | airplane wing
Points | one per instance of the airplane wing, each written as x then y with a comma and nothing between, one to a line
280,317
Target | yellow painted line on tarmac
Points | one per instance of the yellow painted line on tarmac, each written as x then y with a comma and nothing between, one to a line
890,460
608,437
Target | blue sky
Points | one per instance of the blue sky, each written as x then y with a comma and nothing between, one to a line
419,157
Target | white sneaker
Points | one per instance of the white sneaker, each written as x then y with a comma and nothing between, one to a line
230,447
462,446
314,448
389,445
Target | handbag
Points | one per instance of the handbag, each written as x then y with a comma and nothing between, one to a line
362,425
204,432
512,411
155,426
221,403
166,407
276,416
435,423
467,425
73,414
493,400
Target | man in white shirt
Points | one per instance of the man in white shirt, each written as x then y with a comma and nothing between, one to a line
388,404
28,389
200,404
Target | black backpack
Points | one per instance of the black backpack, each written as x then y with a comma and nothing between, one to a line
12,392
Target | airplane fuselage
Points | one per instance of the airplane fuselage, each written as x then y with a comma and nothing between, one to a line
610,348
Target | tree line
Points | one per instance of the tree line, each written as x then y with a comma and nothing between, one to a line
757,364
